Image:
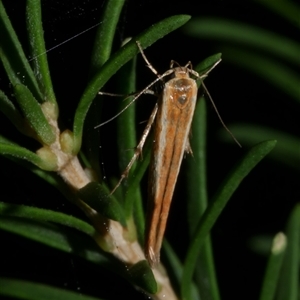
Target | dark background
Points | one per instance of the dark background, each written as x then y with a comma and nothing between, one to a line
260,206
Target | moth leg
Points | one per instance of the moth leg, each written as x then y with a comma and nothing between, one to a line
188,148
139,148
149,65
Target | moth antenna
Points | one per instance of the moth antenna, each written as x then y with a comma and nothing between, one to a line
219,116
136,97
144,91
66,41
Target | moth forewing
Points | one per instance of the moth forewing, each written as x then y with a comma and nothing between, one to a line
176,108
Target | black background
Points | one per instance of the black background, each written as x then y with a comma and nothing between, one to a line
260,206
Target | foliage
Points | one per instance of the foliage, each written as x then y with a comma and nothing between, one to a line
109,238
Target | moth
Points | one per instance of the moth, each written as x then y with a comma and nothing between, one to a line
171,120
